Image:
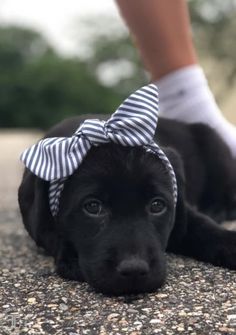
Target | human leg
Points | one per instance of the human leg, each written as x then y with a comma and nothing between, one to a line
162,32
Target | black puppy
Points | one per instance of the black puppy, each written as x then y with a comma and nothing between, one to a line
116,217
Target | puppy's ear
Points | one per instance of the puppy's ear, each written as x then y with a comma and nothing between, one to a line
36,214
180,225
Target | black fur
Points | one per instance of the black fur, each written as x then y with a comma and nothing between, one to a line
121,250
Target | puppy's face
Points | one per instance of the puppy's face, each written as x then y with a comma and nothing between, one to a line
117,211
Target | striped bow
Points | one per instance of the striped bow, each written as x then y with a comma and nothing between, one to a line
133,124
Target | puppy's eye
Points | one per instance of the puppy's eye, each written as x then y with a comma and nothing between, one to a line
93,207
157,206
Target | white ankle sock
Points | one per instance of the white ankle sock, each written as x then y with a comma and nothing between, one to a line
184,95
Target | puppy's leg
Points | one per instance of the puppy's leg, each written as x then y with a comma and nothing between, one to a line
219,196
67,265
206,241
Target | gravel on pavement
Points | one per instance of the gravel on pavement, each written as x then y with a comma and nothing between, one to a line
196,299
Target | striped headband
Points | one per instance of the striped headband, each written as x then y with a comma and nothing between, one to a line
133,124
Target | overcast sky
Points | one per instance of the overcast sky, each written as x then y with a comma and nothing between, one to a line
55,18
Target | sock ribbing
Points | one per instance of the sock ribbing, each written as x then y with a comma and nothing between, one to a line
185,96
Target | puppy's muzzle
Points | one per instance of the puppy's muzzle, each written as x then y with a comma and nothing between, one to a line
133,268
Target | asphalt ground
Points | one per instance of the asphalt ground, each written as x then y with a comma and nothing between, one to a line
196,299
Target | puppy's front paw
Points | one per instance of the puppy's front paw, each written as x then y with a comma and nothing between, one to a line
226,253
69,269
67,264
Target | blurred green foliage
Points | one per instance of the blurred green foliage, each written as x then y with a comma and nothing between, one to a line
214,32
39,87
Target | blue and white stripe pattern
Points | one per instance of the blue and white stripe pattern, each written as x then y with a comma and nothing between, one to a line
133,124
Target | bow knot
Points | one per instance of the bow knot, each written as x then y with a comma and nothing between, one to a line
94,131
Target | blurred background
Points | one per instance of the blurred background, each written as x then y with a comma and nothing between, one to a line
70,57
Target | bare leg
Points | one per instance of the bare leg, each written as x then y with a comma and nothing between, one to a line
162,32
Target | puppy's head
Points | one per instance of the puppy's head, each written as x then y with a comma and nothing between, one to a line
117,211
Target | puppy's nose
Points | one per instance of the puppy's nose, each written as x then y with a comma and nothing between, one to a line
133,267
